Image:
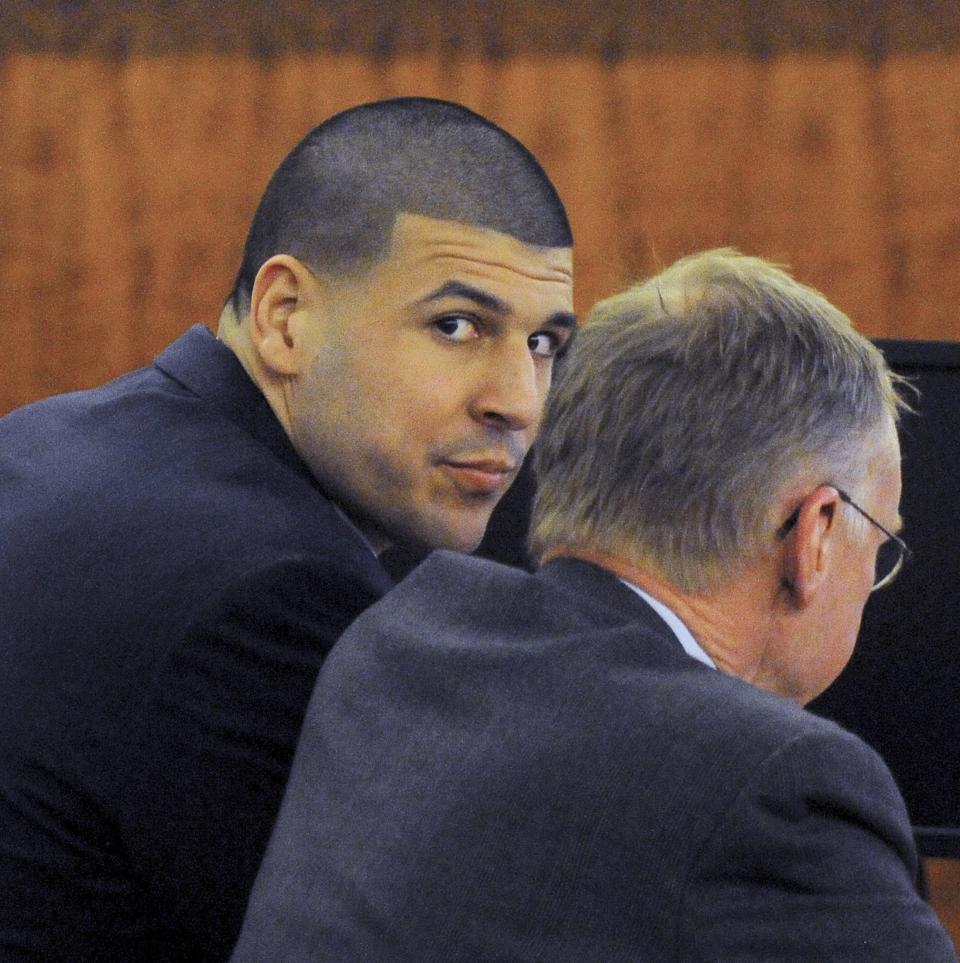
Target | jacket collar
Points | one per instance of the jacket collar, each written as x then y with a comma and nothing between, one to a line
209,369
598,588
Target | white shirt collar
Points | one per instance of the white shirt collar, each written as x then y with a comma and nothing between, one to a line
684,636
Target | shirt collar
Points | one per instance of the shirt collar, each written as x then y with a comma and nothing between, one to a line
684,636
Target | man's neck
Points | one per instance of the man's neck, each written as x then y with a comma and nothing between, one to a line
731,623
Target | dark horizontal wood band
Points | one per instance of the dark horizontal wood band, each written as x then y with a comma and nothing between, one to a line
607,29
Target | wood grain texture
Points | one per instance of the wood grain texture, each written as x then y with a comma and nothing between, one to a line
606,29
943,881
128,185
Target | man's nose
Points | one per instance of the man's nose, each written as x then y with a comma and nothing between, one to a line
512,389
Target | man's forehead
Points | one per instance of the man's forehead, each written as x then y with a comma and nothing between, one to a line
417,235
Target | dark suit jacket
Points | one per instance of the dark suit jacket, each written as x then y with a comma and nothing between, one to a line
500,766
171,577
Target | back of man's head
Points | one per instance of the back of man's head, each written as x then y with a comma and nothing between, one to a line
686,406
333,200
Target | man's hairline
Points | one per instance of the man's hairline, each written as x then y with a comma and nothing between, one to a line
362,267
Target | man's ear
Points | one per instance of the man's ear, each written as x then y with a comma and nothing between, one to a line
283,303
810,544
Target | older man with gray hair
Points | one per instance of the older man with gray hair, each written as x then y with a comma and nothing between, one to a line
608,759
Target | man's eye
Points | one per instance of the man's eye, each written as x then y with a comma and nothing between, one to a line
543,344
455,327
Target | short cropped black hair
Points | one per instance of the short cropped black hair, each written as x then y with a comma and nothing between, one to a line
333,201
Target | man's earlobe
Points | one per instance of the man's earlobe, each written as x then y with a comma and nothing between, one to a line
279,298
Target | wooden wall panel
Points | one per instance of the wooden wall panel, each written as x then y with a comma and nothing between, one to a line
921,97
129,183
18,382
99,330
684,149
943,881
187,124
603,29
815,181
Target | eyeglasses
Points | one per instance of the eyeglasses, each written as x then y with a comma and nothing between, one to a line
890,555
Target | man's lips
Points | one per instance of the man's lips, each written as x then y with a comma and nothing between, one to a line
481,476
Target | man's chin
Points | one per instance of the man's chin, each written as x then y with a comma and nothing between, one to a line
463,532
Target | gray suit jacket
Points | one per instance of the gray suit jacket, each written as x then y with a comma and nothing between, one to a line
504,766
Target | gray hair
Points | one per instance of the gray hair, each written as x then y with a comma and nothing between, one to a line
686,406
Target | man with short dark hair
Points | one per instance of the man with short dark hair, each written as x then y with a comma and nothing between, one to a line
607,760
182,547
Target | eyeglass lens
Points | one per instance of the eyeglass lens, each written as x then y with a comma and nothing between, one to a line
889,559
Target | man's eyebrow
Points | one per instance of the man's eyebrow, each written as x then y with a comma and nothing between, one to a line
459,289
